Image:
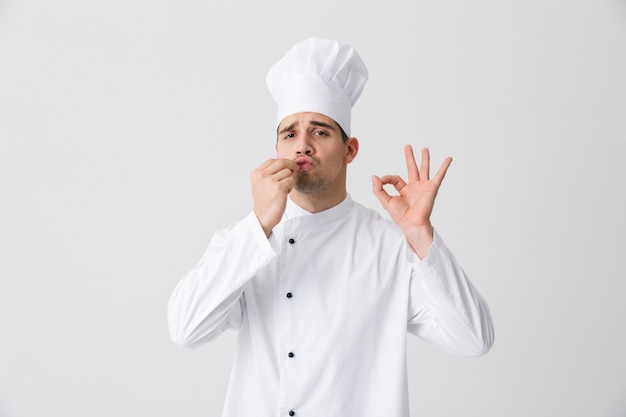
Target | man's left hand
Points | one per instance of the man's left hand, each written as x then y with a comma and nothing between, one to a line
411,209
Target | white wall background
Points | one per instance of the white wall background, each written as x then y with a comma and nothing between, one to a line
128,129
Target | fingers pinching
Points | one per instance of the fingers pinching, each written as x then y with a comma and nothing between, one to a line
280,164
379,191
395,180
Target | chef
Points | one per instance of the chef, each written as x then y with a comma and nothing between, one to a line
321,289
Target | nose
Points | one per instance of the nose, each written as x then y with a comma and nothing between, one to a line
303,146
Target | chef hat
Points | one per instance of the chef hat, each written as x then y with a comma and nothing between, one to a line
318,75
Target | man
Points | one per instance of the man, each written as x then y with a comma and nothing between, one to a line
321,289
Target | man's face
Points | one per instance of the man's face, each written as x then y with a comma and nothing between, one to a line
314,142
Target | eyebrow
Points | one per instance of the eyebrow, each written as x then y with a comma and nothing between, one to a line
322,124
313,122
287,128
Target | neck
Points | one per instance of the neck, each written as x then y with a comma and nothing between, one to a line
316,202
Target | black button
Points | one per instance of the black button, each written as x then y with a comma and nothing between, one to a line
292,241
291,355
289,295
292,413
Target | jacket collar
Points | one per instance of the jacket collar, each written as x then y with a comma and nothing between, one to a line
298,217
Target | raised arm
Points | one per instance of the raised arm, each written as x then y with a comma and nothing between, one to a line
446,309
210,298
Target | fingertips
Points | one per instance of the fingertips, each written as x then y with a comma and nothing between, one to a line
291,164
387,179
392,179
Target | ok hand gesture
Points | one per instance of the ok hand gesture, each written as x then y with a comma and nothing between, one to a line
411,209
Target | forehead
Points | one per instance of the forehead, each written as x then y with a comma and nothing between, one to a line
304,119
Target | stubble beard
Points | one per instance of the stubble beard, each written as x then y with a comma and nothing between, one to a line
308,183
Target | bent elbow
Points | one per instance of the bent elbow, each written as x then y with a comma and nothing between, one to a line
179,336
182,340
179,330
187,334
482,345
189,339
478,350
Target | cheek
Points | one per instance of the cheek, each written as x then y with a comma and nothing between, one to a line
281,150
336,162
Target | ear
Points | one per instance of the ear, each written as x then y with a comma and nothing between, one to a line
352,149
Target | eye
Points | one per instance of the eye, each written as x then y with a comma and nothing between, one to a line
290,135
320,133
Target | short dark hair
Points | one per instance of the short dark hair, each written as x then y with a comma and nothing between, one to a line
344,137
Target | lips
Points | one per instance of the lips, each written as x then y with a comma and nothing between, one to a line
304,163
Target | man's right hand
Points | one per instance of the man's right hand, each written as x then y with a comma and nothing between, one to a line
271,182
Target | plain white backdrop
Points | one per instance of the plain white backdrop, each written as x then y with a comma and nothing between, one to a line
128,129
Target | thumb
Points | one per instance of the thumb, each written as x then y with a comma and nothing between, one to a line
379,191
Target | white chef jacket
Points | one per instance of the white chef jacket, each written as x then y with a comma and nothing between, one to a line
323,308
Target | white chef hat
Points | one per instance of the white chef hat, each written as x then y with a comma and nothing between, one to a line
318,75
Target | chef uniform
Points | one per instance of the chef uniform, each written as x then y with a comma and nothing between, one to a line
323,305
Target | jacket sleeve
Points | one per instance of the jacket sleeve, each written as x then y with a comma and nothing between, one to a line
445,309
209,299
